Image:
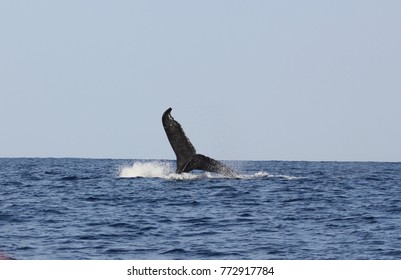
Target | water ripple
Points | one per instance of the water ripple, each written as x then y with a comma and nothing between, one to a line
83,209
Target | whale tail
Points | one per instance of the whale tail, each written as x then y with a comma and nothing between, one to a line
187,158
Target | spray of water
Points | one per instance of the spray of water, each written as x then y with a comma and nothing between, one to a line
157,169
146,169
166,170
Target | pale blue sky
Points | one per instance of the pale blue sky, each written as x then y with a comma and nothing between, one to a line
259,80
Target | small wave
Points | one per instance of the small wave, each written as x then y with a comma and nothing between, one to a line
287,177
264,174
174,251
69,178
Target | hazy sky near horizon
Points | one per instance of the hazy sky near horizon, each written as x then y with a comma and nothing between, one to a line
257,80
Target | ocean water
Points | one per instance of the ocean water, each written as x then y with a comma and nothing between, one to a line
139,209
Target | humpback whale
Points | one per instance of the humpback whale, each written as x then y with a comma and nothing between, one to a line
187,158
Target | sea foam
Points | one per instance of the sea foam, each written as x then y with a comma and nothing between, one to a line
159,169
166,170
147,170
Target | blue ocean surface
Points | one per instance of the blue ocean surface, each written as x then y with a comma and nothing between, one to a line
139,209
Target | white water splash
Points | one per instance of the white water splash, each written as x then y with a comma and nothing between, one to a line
263,174
157,169
166,170
146,169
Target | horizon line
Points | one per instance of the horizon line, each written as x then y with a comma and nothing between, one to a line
159,159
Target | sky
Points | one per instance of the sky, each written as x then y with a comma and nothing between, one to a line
247,80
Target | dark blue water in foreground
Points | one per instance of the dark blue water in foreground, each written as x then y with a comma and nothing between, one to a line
91,209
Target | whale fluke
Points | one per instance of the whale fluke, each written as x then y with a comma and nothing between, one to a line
187,158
